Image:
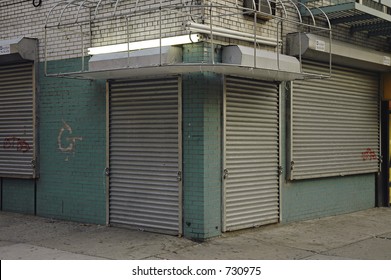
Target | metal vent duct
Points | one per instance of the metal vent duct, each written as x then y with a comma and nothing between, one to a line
244,56
18,50
318,48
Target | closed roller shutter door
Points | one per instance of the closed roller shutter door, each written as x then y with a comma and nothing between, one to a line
17,132
145,154
335,124
251,153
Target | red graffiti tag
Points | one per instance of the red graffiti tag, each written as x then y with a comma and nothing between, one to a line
16,143
368,154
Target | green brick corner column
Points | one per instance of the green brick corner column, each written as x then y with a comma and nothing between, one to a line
201,155
202,97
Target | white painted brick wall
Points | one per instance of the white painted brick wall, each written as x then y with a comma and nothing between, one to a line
19,18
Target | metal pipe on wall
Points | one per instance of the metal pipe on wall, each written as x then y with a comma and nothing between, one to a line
220,31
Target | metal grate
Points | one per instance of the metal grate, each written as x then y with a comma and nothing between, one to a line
145,155
335,124
17,131
251,153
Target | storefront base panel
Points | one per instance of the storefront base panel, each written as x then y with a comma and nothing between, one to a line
311,199
17,195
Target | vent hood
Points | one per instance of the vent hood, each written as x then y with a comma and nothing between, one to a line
318,48
18,50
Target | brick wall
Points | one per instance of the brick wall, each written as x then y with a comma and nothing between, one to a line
17,195
144,21
310,199
202,95
23,19
72,147
201,155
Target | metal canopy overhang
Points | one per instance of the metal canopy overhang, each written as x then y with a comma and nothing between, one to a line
79,13
236,60
177,69
358,17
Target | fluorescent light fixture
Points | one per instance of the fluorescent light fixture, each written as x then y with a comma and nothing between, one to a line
169,41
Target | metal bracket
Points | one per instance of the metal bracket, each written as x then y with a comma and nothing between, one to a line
225,174
179,176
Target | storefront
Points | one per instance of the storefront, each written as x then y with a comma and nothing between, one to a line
18,108
251,140
144,130
333,130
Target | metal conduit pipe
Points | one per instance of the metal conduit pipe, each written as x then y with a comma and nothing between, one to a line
223,32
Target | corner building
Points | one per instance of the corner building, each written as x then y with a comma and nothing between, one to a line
194,118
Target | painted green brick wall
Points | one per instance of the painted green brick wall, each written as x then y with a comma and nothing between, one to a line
72,181
17,195
201,53
202,97
310,199
201,155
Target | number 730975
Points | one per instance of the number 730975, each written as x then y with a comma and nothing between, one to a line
243,270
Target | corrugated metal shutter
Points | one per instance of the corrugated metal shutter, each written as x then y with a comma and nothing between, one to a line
145,154
17,125
251,189
335,123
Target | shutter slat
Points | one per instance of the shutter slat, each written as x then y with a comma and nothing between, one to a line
17,131
144,151
335,124
251,153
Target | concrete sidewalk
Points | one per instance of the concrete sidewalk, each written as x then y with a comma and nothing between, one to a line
360,235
